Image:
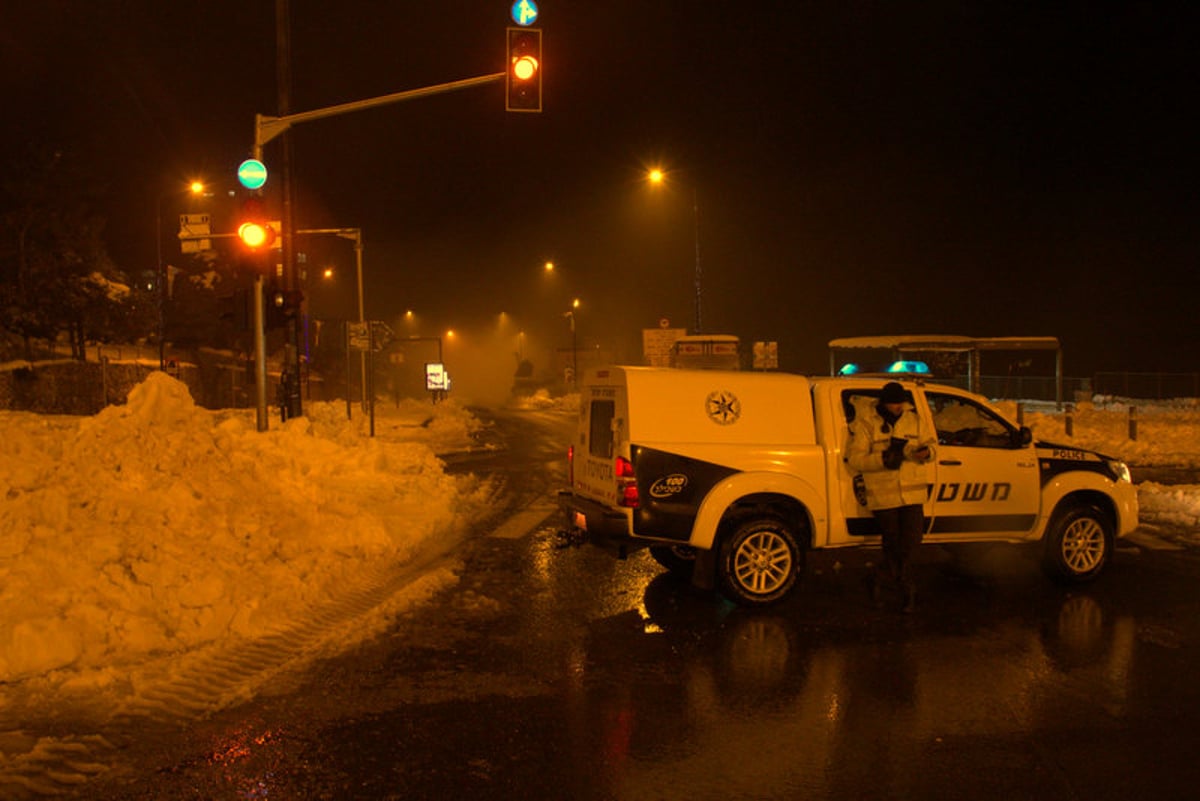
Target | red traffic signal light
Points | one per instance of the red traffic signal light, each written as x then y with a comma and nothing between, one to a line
253,229
523,77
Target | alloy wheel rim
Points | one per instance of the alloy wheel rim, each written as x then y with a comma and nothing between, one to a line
763,562
1083,545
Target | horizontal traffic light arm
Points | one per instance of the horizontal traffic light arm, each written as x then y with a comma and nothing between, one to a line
345,233
267,128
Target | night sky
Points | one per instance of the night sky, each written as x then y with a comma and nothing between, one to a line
972,168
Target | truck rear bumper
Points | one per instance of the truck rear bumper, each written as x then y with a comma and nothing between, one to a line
598,524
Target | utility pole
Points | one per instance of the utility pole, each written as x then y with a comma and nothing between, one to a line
290,374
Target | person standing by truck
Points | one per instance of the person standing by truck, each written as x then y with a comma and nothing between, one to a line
890,446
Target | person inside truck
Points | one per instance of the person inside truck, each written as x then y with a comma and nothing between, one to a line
891,446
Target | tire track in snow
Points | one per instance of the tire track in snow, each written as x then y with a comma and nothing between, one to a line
188,686
211,679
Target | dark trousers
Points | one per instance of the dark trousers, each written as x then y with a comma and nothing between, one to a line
903,528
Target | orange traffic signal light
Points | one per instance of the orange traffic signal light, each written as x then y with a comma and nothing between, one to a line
253,228
523,78
255,235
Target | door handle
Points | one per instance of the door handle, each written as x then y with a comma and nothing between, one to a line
950,462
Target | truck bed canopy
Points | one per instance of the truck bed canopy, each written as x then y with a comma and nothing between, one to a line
901,345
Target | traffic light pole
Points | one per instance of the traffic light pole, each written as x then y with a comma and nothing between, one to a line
267,128
260,353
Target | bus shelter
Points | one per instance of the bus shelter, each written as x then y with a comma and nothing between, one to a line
909,346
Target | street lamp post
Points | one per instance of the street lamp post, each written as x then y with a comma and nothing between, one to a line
355,235
657,177
570,315
696,225
195,188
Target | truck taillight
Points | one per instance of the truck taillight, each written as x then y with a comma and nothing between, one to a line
627,491
571,465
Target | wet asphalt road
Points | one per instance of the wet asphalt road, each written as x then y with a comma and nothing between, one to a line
560,673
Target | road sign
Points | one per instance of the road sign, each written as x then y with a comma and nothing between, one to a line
193,232
195,245
657,344
194,225
524,12
252,174
359,335
436,377
766,355
382,334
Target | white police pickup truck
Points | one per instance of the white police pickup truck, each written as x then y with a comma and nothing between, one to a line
729,477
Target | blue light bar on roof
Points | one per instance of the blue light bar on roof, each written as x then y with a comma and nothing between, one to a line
903,366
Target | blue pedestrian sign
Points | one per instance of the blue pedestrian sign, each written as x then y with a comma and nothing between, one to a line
524,12
252,174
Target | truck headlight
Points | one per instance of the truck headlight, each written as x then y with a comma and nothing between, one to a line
1120,469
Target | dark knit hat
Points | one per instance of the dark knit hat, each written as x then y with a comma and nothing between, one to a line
893,393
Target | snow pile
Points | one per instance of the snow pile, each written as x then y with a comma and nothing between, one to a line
1171,505
158,526
542,400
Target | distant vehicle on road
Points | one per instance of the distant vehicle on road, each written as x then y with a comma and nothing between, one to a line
707,352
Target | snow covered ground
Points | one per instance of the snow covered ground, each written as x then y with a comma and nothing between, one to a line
136,539
158,528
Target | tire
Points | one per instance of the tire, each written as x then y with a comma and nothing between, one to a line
680,560
1078,544
760,562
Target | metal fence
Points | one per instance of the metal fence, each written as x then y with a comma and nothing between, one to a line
1146,386
1157,386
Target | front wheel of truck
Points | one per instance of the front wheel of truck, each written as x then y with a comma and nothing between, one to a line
1078,544
760,562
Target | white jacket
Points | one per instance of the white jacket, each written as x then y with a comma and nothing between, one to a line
887,489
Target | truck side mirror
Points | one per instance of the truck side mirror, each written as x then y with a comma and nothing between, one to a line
1022,437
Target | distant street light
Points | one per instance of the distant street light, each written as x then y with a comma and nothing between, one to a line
658,177
194,188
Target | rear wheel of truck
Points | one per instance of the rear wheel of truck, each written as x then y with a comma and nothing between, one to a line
679,559
760,562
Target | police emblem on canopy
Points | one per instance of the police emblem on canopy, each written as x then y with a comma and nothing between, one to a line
723,407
